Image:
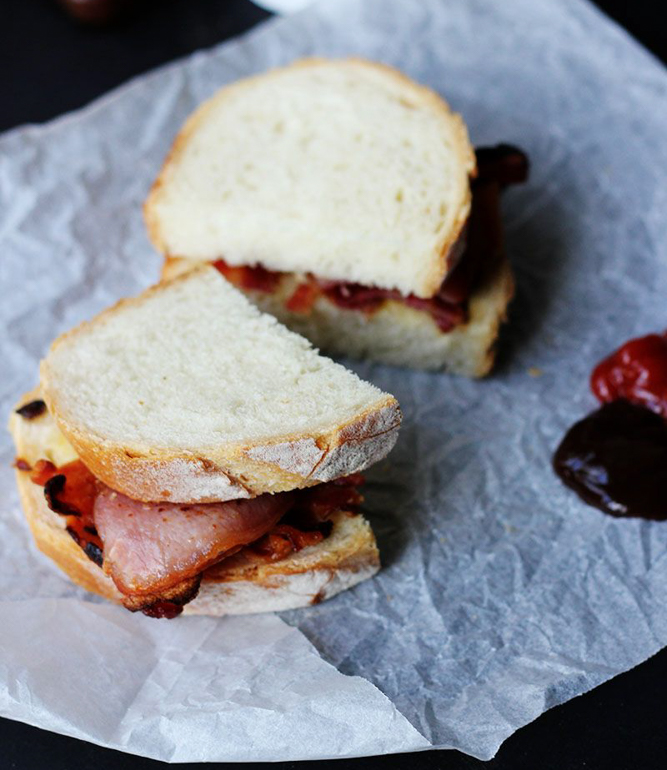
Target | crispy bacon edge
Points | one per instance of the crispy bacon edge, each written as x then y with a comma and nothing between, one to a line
309,516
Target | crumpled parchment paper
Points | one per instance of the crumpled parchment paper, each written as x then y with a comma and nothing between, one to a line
502,594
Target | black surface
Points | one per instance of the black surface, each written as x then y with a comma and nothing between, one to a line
49,64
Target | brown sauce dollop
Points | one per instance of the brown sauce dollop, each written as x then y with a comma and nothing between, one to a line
616,460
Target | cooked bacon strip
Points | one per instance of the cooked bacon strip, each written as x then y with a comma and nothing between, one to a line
42,472
304,297
150,548
503,163
316,504
283,540
156,552
166,604
70,491
256,278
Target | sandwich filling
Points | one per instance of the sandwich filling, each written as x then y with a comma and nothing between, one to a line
477,249
156,553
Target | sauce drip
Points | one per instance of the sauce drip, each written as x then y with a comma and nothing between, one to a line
616,460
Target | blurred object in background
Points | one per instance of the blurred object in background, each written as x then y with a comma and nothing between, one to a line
283,6
100,12
68,62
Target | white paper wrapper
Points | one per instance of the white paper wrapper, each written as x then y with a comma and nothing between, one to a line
502,595
196,690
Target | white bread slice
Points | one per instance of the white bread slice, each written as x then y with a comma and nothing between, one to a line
396,334
188,393
346,169
243,584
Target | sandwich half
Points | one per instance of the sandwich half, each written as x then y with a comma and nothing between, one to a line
185,451
346,200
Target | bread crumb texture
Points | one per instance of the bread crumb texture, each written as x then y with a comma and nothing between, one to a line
191,365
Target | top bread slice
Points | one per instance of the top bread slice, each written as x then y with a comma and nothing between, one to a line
188,393
345,169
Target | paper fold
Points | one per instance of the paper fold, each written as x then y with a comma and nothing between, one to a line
243,689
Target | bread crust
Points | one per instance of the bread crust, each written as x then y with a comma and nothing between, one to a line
229,471
242,584
445,252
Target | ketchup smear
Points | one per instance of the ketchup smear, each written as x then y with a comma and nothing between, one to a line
637,372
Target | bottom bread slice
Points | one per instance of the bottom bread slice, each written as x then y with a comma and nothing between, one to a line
395,334
244,583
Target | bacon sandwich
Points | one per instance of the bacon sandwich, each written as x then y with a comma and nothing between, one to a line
347,201
186,452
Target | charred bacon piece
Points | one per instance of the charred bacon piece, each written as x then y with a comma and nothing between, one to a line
32,409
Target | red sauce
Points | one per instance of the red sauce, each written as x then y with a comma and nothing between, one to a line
498,167
637,372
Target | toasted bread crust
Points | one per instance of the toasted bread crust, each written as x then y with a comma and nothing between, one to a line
242,584
446,247
291,462
233,470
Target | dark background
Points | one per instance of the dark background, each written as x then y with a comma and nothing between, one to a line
50,64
